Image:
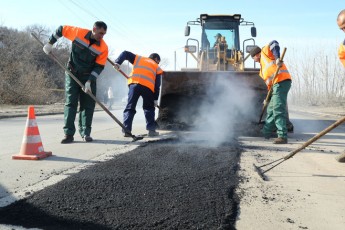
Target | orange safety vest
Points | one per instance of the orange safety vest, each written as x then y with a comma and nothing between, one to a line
99,49
341,53
269,67
144,72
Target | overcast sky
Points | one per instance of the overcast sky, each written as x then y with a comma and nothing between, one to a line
150,26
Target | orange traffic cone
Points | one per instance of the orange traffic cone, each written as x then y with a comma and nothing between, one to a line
32,148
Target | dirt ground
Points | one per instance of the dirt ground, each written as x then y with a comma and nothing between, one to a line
156,186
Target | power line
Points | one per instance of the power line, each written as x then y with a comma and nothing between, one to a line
73,13
117,27
110,15
117,31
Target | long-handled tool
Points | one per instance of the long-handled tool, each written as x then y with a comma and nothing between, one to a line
269,94
135,138
113,64
262,172
124,74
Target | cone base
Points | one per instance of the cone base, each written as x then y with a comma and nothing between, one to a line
32,157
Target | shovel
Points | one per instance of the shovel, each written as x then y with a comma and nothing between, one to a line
125,75
269,94
262,172
135,138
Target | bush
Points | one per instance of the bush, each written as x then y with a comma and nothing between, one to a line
27,73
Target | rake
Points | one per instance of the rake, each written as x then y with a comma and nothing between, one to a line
273,164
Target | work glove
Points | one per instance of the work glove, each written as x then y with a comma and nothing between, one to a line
47,48
156,103
87,87
279,63
264,103
117,66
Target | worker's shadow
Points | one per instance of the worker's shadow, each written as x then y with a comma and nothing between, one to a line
113,142
68,159
331,176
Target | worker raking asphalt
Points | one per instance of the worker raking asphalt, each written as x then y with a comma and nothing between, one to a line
160,185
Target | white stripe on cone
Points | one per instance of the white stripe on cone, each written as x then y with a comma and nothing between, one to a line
31,123
32,139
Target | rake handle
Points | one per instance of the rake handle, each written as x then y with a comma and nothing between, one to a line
303,146
316,137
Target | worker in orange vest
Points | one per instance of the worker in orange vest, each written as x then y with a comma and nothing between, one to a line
276,118
144,81
341,54
86,62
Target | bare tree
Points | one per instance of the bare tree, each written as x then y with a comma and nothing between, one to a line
317,76
27,73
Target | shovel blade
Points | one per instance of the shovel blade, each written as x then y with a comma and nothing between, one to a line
136,138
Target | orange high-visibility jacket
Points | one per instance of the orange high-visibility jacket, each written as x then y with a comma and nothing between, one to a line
144,72
84,58
341,53
269,67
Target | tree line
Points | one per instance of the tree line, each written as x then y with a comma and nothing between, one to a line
318,77
29,76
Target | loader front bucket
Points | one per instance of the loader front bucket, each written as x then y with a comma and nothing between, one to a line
187,96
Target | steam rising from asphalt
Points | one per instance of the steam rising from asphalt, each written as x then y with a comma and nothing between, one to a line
229,103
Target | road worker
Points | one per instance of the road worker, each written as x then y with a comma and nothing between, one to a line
276,118
144,82
341,54
110,98
86,62
218,38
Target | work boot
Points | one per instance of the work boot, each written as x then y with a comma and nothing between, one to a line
68,139
127,135
280,140
341,158
153,133
87,139
289,127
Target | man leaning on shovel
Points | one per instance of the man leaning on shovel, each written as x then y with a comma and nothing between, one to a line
87,60
269,59
341,54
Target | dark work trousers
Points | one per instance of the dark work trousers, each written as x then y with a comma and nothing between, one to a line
135,91
276,111
73,94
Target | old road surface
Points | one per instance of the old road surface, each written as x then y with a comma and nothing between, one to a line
172,181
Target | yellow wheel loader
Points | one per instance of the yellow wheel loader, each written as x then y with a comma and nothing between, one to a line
219,92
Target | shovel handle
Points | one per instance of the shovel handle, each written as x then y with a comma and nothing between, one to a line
82,86
113,64
125,75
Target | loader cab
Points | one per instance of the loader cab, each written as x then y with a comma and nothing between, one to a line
228,27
